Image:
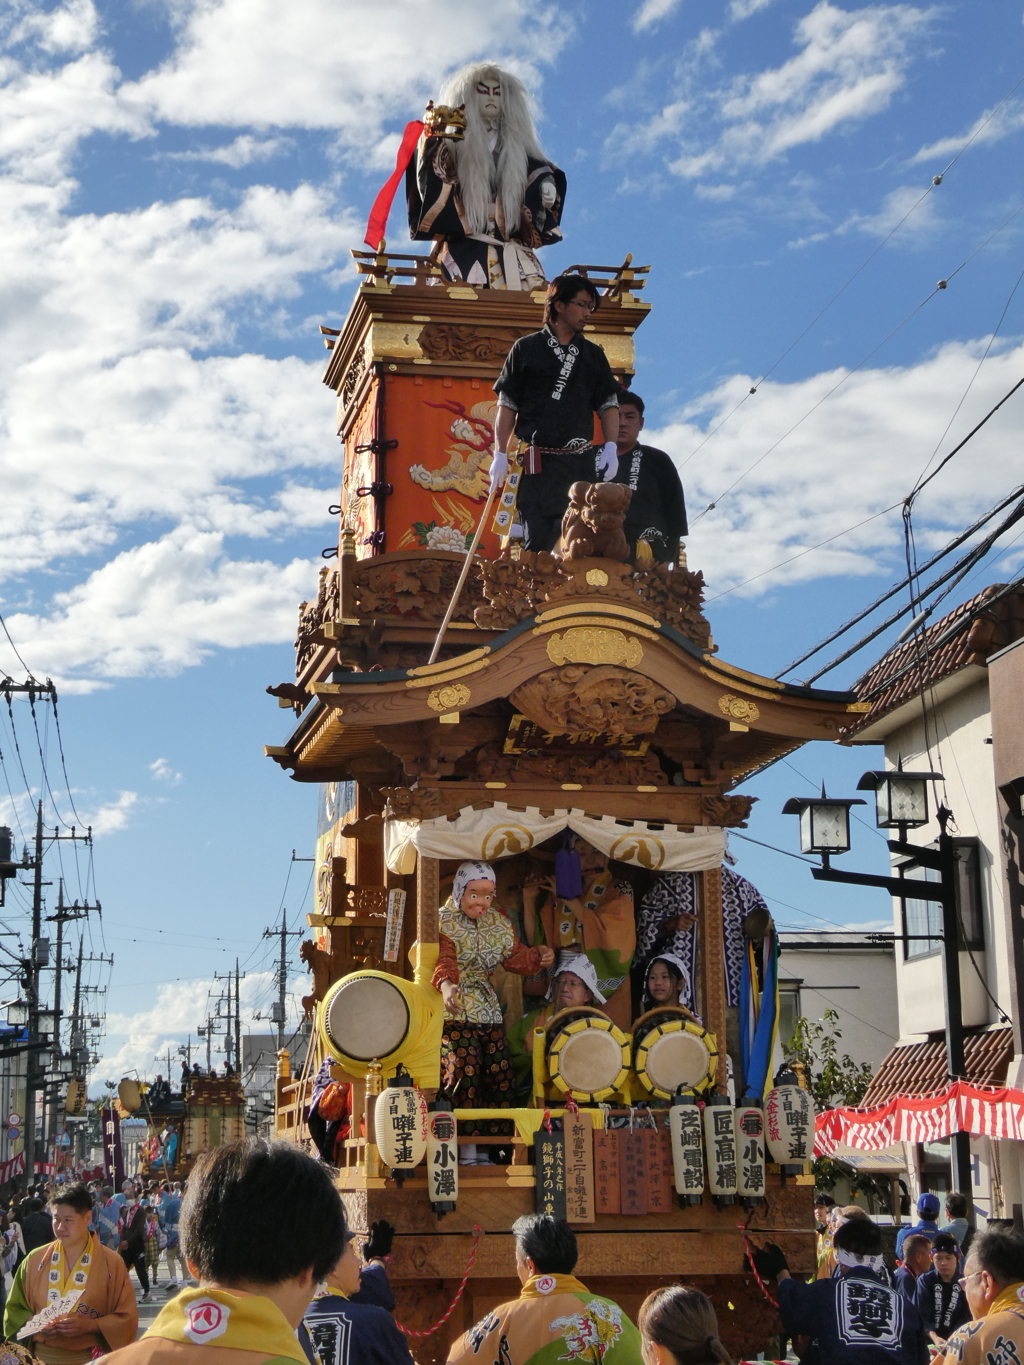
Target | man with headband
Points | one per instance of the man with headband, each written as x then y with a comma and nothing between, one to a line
857,1318
475,937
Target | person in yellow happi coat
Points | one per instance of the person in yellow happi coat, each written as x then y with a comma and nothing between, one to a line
76,1265
261,1226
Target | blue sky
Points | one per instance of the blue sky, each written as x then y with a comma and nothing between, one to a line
180,185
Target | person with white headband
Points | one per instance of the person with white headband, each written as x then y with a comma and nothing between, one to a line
573,984
857,1318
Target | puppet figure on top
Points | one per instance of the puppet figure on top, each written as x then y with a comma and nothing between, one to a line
490,196
474,938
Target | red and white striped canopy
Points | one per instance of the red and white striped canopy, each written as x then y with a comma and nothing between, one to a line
961,1108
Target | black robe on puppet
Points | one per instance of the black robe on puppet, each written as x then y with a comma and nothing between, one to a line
492,197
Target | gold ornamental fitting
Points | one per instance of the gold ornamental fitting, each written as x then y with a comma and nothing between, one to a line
442,120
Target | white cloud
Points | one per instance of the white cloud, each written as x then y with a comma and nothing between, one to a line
743,9
68,28
163,772
988,127
652,12
242,152
906,199
112,815
848,67
716,193
260,64
859,452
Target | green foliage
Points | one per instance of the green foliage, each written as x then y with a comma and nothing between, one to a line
834,1080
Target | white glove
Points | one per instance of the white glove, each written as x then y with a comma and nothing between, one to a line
607,460
499,468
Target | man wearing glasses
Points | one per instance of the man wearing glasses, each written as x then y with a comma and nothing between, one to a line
552,383
994,1284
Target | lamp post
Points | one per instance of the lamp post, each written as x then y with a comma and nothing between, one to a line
901,803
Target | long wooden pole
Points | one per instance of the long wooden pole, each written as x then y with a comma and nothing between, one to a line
463,575
712,948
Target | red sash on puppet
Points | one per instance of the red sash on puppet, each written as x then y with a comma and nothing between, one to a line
376,228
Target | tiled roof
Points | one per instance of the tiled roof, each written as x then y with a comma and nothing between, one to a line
968,635
920,1068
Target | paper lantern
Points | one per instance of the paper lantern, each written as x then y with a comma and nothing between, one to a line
750,1179
720,1146
400,1123
687,1148
442,1157
789,1121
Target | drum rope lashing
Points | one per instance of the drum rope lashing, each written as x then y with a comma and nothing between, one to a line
478,1232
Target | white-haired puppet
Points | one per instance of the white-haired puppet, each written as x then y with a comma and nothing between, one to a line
491,196
475,937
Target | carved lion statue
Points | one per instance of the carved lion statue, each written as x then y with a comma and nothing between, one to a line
592,525
319,963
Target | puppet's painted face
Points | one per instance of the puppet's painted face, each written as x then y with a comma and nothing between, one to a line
570,990
661,984
488,94
476,899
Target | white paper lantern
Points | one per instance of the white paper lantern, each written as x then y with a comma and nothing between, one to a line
442,1158
789,1121
720,1146
400,1123
687,1148
750,1177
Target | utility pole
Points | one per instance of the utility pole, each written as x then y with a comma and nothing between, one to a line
32,994
238,1024
277,1009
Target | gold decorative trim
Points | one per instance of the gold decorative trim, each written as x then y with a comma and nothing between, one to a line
453,675
862,707
448,665
598,609
731,682
592,623
449,698
595,645
758,678
738,708
597,578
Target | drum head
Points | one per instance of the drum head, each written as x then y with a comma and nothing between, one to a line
588,1058
678,1059
366,1018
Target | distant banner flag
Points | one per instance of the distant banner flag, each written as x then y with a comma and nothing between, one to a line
113,1158
393,931
9,1169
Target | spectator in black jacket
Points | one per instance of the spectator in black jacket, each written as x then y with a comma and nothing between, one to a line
36,1227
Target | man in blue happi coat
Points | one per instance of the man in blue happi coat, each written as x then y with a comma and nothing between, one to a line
856,1318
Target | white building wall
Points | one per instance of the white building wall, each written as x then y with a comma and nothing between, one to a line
859,984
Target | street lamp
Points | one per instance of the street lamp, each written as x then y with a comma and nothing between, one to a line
17,1013
901,798
824,823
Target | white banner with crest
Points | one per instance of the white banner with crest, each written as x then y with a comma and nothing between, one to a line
500,832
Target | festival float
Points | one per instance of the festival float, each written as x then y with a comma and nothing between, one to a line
558,722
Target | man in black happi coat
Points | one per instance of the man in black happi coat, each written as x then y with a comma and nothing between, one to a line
657,512
552,384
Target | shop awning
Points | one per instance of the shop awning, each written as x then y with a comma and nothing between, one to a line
960,1108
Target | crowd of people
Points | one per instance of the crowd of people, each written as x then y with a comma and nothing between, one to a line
308,1292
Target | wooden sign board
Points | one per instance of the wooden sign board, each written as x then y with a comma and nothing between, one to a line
659,1170
606,1171
549,1163
579,1168
633,1158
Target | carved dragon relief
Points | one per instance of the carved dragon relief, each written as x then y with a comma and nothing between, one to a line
581,697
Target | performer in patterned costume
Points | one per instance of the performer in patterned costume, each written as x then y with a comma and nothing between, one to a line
598,923
555,1318
474,938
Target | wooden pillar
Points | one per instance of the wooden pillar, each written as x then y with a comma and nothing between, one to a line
712,966
427,891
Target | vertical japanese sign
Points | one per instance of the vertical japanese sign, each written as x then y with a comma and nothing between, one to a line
659,1170
750,1178
442,1160
579,1168
720,1143
789,1123
687,1150
113,1160
633,1157
393,930
606,1171
549,1164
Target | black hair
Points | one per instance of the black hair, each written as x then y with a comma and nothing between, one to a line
634,399
956,1204
550,1243
824,1201
649,1002
236,1192
76,1196
859,1236
945,1241
563,289
1001,1254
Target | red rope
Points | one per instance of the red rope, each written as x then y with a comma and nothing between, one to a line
749,1248
409,1332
